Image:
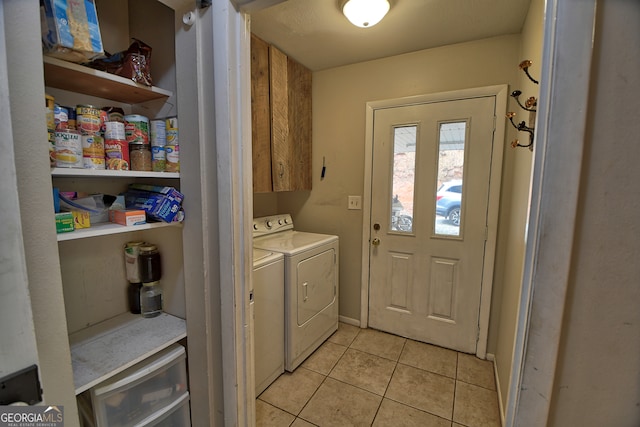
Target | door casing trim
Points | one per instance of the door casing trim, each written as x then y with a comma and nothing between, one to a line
500,93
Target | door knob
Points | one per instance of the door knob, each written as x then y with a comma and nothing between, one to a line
375,241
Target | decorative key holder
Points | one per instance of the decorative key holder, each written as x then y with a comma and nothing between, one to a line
529,105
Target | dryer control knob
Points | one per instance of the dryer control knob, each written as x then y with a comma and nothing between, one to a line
255,226
269,224
279,222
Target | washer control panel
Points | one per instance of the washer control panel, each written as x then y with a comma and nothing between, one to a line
272,224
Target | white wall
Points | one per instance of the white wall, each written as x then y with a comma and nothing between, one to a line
516,183
34,190
598,374
339,99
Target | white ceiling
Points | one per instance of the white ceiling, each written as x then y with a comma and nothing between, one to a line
316,34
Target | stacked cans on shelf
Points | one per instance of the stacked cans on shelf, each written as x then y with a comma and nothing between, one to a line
165,149
87,137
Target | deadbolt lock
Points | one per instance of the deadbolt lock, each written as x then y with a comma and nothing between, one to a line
376,226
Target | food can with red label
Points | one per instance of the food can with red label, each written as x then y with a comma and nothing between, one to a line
136,129
93,152
172,130
68,150
158,133
116,154
173,158
88,119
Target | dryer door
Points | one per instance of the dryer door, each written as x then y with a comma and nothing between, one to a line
316,284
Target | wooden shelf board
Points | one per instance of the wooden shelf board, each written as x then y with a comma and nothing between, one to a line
108,228
78,78
88,173
108,348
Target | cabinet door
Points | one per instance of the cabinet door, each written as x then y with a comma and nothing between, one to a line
260,116
290,123
299,89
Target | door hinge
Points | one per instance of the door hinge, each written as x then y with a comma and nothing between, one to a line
486,233
495,120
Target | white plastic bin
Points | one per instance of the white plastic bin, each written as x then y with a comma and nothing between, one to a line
143,392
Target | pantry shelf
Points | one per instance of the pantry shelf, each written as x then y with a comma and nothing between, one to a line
78,78
105,229
88,173
108,348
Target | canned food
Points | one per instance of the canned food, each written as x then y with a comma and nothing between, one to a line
114,114
136,129
158,159
51,136
61,118
49,104
93,152
104,118
173,158
172,130
140,155
116,154
71,118
158,133
88,119
114,130
132,261
68,150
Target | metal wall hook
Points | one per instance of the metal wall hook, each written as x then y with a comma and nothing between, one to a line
530,102
529,105
524,66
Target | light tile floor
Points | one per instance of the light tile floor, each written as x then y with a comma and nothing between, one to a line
364,377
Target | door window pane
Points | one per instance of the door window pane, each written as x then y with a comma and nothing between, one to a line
404,168
451,146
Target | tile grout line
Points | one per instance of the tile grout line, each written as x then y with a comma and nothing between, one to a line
323,380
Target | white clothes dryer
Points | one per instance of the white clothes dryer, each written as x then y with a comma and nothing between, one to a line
310,283
268,315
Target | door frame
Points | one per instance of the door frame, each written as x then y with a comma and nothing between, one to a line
500,93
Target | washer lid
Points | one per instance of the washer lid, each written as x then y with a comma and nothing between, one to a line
262,257
292,242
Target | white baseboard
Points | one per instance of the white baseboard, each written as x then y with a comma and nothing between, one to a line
492,358
349,321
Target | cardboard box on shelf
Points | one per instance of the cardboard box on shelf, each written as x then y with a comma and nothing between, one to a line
81,219
64,222
128,217
70,30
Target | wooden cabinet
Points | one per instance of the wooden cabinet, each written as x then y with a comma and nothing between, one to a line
281,120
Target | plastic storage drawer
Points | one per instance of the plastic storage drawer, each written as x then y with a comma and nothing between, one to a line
138,394
175,415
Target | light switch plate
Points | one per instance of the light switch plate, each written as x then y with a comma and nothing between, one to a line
355,202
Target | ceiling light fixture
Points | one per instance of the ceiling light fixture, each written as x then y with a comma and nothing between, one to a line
365,13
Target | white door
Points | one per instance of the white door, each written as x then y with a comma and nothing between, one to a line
427,246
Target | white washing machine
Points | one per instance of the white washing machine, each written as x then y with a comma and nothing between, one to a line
310,283
268,314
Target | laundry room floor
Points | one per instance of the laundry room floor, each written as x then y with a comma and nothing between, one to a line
364,377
